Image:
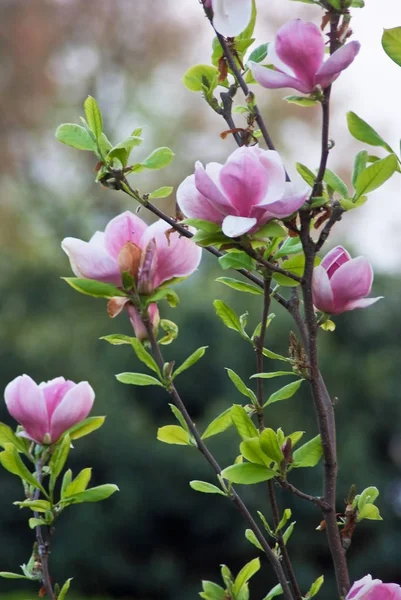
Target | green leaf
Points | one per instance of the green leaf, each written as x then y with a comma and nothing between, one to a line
245,574
247,473
35,505
79,484
391,42
285,392
75,136
207,226
173,434
270,375
309,454
144,356
251,537
289,247
315,587
219,424
283,521
369,511
171,331
162,192
278,590
163,294
12,462
7,575
306,174
227,315
205,239
274,355
369,495
122,150
90,287
138,379
95,494
66,482
93,116
33,522
375,175
288,532
7,436
241,387
240,286
212,591
301,100
270,446
236,259
296,265
205,488
200,76
258,54
191,360
158,159
85,427
251,450
59,459
363,132
179,416
243,422
270,230
360,162
117,339
63,592
336,183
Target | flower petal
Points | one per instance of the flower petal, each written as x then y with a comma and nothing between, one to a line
286,206
352,281
54,391
207,182
73,408
361,303
26,403
236,226
230,17
91,261
334,259
301,46
137,323
194,204
274,172
127,227
338,61
272,80
321,290
177,256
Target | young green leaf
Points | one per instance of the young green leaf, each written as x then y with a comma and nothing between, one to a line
90,287
93,116
138,379
179,416
278,590
243,422
284,393
245,574
309,454
207,226
205,488
258,54
369,495
59,458
162,192
79,484
288,532
251,537
65,482
375,175
290,246
95,494
391,42
227,315
33,522
12,462
306,174
247,473
360,162
199,76
301,100
191,360
274,356
171,331
219,424
241,387
315,587
369,511
117,339
158,159
236,259
363,132
336,183
7,575
173,434
271,375
75,136
270,446
283,521
295,265
35,505
63,592
251,450
7,436
85,427
144,356
240,286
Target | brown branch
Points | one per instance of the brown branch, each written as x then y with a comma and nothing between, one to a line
314,499
43,545
270,266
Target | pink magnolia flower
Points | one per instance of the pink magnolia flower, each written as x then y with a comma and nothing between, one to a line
341,283
47,410
230,17
242,195
151,254
374,589
297,55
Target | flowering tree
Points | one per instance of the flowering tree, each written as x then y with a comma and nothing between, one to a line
255,221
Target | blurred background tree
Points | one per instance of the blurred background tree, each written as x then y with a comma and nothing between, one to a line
158,538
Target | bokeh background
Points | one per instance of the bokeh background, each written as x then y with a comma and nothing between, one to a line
157,539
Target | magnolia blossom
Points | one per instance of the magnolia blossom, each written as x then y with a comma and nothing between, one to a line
151,254
373,589
230,17
242,195
47,410
341,283
297,55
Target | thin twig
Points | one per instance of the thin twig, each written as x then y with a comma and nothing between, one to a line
43,546
271,266
271,556
314,499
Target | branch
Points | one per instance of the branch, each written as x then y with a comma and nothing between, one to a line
271,556
43,546
271,266
336,216
314,499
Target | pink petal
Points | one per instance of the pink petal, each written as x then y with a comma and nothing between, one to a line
26,403
301,46
340,60
352,281
362,303
137,323
73,408
176,256
90,261
207,182
334,259
274,172
280,209
244,180
236,226
275,79
230,17
54,391
127,227
273,59
193,204
321,290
